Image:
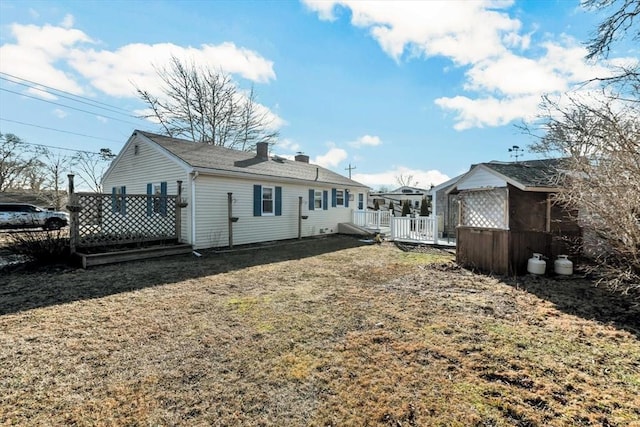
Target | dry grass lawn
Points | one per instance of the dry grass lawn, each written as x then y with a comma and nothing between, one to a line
325,332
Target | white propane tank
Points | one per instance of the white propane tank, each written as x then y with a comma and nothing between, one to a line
536,265
563,266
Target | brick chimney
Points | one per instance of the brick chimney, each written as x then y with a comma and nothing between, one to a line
262,149
302,158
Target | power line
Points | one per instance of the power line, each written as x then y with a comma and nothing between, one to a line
62,91
67,106
58,130
64,96
61,148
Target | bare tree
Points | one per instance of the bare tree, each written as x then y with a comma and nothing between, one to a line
615,26
206,106
406,180
16,160
599,138
53,171
90,167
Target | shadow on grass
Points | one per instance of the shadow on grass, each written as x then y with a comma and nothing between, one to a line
582,298
28,289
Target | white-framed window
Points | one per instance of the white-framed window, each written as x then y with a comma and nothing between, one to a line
360,201
267,200
157,192
317,199
339,197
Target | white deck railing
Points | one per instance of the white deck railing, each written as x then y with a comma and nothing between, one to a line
419,229
422,229
372,219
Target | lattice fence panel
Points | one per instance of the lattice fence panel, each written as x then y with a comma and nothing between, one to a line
106,220
484,209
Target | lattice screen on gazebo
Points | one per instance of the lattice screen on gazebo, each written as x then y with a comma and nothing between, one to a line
105,219
484,209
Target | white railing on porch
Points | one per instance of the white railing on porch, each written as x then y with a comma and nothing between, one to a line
422,229
372,219
418,229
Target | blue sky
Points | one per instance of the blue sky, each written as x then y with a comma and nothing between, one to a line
421,89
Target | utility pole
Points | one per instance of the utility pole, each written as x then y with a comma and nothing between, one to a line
350,168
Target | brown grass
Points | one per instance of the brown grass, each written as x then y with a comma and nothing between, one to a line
324,332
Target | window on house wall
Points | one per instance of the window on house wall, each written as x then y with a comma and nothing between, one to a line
118,200
267,200
317,199
339,197
360,201
157,198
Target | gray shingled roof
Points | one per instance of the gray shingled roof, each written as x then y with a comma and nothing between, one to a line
210,158
532,173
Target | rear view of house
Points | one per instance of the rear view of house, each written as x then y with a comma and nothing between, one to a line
230,195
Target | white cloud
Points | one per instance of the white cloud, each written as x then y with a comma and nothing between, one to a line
489,111
67,22
506,72
61,57
331,158
59,113
41,92
366,141
102,119
288,145
425,178
37,51
433,27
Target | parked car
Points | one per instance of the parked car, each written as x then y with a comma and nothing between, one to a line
23,215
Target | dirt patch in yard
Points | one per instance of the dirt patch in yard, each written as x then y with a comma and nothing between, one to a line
323,332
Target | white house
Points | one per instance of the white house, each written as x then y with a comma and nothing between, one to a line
268,195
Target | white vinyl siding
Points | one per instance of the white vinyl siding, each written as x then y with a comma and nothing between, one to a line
480,178
212,225
150,165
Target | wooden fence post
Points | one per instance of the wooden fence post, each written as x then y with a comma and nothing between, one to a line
73,209
178,210
230,215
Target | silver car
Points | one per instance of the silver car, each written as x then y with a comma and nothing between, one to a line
23,215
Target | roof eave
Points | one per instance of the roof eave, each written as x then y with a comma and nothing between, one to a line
248,175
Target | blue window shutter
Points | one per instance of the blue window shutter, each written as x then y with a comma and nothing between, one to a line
278,201
124,200
334,197
149,199
346,198
325,200
312,196
257,200
114,202
163,198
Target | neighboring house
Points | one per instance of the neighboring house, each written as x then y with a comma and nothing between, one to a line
445,207
507,213
268,194
398,196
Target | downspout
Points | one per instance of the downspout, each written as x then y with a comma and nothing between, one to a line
194,175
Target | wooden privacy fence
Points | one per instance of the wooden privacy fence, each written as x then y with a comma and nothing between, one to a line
102,220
